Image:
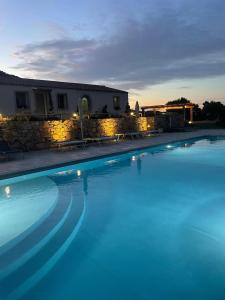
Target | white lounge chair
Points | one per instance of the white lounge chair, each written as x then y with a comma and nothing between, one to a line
153,132
60,145
132,135
102,139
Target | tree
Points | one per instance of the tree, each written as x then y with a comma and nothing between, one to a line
197,111
181,100
213,110
127,109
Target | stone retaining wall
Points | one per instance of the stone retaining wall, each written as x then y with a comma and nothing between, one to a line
31,135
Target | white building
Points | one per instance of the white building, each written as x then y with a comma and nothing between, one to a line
43,98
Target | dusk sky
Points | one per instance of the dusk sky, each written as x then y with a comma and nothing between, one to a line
158,50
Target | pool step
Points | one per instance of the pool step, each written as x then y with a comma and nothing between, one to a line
31,244
12,243
32,271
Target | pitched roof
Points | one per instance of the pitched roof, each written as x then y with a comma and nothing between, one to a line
6,75
7,79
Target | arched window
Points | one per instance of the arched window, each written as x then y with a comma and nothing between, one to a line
85,105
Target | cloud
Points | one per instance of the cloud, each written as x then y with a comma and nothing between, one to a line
170,42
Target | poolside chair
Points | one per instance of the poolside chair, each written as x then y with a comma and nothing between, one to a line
132,135
6,152
119,136
102,139
63,145
153,132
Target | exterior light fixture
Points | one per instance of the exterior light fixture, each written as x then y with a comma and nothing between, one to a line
75,115
132,113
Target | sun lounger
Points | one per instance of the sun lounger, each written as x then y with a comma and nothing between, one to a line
132,135
151,132
6,152
60,145
102,139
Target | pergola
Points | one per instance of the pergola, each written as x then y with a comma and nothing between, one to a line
169,107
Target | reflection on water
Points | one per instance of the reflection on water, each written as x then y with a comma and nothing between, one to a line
154,227
187,145
139,165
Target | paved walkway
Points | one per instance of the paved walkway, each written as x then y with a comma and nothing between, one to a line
40,160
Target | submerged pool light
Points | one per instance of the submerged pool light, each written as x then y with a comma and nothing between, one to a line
169,146
7,191
78,173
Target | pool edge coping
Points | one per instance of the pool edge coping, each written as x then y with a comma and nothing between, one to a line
96,157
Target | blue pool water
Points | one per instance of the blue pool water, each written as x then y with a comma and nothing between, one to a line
144,225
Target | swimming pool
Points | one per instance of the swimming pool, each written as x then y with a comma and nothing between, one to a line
148,224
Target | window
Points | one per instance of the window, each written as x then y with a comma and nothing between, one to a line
116,102
22,100
62,101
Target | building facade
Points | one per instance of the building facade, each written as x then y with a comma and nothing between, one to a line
45,98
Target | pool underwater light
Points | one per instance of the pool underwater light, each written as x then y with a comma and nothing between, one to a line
7,191
78,173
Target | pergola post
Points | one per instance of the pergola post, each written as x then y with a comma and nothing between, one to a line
191,115
184,111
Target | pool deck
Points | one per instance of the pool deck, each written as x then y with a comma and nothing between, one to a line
45,159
